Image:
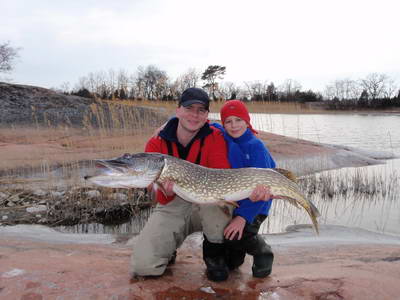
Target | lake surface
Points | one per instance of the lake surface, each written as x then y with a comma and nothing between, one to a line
377,132
367,197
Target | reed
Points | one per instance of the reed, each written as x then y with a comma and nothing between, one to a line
350,196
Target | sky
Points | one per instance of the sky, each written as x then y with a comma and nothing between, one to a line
314,42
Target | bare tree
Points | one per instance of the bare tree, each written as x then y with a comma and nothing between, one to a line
289,88
188,79
375,85
390,89
229,90
123,84
65,87
8,55
256,89
152,82
343,89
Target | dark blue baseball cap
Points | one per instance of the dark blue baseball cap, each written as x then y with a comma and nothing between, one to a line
194,95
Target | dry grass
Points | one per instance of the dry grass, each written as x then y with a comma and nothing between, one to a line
215,106
273,108
40,147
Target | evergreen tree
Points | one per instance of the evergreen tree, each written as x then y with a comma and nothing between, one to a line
210,75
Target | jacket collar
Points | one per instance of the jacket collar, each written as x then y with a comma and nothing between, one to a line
246,136
169,131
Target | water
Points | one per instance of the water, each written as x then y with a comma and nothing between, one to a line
375,132
366,198
376,207
378,132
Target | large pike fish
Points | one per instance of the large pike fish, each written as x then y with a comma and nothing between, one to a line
196,183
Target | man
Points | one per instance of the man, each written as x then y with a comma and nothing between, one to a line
191,138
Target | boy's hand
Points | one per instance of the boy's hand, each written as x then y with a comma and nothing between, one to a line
261,193
234,230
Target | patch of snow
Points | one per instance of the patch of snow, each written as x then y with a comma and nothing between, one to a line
13,273
207,289
330,235
43,233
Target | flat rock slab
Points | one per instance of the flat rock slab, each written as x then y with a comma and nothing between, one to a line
45,269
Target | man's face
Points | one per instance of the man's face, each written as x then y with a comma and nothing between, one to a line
192,117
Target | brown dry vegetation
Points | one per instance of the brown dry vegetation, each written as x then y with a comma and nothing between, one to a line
38,146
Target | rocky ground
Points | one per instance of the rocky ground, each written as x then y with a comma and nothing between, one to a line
31,105
37,263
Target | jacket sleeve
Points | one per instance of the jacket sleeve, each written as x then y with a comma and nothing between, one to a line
217,125
260,158
154,145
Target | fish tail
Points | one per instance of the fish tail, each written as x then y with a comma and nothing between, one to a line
314,213
314,210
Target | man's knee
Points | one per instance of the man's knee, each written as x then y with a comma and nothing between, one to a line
151,254
148,265
214,220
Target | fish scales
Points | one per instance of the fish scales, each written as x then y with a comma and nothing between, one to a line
216,183
196,183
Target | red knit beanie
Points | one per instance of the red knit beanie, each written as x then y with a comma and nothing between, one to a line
238,109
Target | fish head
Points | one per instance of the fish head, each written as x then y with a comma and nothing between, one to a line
137,170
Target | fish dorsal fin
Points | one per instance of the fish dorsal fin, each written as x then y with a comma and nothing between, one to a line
288,174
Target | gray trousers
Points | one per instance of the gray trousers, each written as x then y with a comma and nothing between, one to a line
167,228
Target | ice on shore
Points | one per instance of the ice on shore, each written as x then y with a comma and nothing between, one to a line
297,235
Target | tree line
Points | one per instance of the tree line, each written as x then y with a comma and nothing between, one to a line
374,91
151,83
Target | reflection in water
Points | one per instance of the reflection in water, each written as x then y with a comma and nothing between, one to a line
132,227
367,197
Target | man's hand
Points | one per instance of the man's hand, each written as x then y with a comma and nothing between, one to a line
261,193
234,230
167,187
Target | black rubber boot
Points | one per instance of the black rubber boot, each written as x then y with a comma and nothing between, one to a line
213,256
234,254
236,249
262,256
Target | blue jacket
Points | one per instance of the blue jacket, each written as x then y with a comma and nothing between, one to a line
248,151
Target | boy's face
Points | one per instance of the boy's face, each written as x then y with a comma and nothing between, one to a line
192,117
235,126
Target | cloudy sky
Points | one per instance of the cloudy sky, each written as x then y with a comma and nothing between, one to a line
312,41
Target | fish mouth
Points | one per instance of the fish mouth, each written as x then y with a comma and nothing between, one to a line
111,165
107,167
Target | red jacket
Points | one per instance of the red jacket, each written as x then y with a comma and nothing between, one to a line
213,150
